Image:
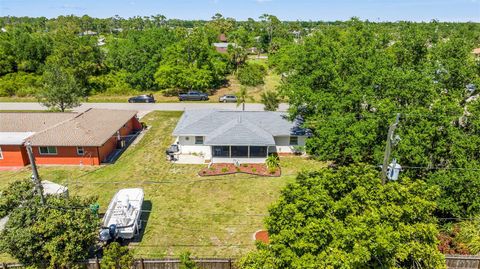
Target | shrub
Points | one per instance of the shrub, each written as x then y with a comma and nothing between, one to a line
272,162
116,256
254,170
186,261
224,170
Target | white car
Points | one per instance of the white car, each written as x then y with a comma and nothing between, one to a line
228,98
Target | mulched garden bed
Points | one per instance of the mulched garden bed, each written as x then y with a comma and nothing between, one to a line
258,169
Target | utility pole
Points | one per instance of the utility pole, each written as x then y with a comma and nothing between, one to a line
388,148
36,178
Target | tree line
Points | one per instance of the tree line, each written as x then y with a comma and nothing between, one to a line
117,56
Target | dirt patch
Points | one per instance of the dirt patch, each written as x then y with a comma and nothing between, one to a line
258,169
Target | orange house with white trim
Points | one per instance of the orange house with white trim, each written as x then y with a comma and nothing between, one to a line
87,138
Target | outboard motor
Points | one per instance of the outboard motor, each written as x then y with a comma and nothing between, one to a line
112,231
109,234
104,235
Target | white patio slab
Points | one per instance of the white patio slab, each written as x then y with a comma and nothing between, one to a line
189,159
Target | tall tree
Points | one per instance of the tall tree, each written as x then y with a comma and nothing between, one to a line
346,218
57,234
61,90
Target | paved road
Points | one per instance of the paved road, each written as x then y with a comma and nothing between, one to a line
143,107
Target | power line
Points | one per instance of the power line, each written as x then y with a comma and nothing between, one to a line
440,168
196,245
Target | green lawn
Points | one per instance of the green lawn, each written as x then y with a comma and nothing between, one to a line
211,217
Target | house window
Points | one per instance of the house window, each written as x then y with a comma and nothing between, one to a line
239,151
1,154
293,140
258,151
221,151
198,140
48,150
80,151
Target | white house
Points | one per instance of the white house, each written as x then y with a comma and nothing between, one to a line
243,136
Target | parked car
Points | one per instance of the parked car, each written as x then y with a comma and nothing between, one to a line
193,96
145,98
228,98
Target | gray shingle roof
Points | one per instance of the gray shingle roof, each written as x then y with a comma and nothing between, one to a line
222,127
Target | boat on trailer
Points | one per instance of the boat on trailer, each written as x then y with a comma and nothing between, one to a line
122,219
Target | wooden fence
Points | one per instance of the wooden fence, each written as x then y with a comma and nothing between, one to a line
453,262
462,262
154,264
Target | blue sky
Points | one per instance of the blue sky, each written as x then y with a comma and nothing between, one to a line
327,10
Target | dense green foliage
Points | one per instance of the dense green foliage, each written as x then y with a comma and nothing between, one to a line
251,74
192,63
138,54
116,256
56,234
348,83
14,195
346,218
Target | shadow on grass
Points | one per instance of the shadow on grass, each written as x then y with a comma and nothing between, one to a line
146,209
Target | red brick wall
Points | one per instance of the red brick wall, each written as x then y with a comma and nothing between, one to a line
68,155
14,156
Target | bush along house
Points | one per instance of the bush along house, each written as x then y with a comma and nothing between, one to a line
87,138
237,136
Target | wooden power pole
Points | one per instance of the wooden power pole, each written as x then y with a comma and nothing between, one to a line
36,178
388,148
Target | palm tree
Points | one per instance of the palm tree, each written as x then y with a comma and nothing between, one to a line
270,100
242,97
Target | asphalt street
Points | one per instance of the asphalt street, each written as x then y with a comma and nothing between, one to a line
144,108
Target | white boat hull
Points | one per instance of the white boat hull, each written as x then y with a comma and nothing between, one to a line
122,218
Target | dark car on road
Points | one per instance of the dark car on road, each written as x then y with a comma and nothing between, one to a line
193,96
146,98
228,98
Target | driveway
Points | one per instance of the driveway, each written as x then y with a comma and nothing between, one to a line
144,108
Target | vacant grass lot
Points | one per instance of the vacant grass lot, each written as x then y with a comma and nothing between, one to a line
209,216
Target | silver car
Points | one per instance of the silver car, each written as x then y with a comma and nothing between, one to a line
228,98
